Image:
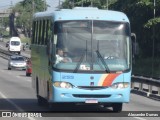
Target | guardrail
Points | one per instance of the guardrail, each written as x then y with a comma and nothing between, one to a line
5,54
146,86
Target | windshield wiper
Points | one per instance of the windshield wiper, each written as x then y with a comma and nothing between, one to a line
103,62
79,63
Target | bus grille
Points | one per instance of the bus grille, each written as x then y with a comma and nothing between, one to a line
90,96
91,87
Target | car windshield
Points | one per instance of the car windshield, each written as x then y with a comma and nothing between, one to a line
17,58
93,45
15,43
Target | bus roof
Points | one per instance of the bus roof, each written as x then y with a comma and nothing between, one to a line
83,13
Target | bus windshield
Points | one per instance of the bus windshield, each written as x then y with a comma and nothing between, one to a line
92,45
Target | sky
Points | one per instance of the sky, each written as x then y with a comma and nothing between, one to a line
7,3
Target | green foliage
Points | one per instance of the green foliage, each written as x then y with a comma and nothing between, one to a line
152,22
26,40
102,4
25,10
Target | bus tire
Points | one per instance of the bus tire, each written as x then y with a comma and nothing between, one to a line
40,100
49,104
117,107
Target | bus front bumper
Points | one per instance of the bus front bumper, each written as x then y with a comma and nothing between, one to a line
76,95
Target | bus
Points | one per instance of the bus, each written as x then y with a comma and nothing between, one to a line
98,42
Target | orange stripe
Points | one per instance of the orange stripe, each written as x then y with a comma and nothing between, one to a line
109,79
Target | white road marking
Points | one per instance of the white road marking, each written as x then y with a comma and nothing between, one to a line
3,96
16,106
18,76
139,118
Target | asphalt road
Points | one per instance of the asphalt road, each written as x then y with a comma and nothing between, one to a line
17,95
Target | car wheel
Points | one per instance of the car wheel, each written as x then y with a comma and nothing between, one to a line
28,74
9,68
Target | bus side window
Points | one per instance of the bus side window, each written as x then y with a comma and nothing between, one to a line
43,32
34,32
46,36
40,32
50,39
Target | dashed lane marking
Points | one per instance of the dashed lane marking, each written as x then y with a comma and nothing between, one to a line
139,118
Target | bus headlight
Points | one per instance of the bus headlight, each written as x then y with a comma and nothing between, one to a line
63,85
120,85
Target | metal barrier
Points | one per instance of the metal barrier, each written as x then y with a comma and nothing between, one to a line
5,54
149,86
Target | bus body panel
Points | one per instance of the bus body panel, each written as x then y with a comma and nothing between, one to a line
83,14
93,85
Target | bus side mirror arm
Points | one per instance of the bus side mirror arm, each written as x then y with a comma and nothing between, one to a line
135,46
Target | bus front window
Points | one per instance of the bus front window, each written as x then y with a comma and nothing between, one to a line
93,45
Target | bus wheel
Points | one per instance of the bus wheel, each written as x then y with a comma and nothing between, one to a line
117,107
39,98
40,101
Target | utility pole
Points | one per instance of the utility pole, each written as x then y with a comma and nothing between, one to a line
82,3
153,42
91,3
45,6
107,1
33,4
73,4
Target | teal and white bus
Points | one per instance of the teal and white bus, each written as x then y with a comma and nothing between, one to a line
98,42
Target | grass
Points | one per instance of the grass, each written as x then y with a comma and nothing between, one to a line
25,40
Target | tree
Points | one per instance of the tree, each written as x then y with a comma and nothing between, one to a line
102,4
25,11
140,13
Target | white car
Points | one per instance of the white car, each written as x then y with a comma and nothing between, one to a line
16,62
15,45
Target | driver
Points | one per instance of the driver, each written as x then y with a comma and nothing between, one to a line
60,56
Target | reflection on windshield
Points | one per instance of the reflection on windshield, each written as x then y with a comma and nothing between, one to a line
110,39
17,58
16,43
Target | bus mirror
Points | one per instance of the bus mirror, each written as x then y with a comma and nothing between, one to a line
135,46
133,37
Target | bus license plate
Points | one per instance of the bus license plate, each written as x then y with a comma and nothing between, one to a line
91,101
